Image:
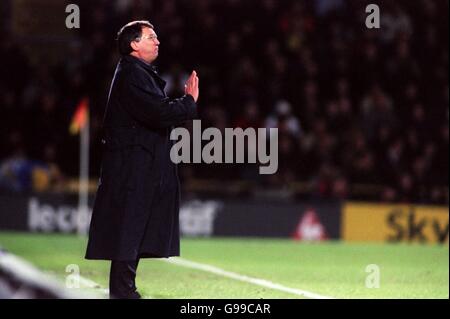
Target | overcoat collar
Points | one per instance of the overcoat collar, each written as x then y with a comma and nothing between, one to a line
150,68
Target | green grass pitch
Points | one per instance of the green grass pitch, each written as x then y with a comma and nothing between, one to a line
333,269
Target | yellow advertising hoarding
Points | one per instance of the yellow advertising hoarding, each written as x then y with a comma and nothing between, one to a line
394,223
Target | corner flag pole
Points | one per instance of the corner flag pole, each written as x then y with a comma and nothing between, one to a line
80,124
83,191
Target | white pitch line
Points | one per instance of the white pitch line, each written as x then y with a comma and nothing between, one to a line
93,285
256,281
89,283
24,271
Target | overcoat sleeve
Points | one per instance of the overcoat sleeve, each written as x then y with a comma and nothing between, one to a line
144,102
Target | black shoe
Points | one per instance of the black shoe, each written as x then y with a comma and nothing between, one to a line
133,295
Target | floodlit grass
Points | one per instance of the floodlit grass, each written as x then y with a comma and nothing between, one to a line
334,269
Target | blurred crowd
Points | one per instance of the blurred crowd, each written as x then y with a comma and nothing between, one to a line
359,111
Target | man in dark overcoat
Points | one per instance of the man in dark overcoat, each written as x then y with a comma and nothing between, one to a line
136,208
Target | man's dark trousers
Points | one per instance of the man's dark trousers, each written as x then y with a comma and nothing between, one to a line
122,280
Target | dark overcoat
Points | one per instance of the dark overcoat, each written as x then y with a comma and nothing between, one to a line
136,208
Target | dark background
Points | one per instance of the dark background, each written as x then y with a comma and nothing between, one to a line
362,113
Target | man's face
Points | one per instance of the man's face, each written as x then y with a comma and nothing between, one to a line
147,47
